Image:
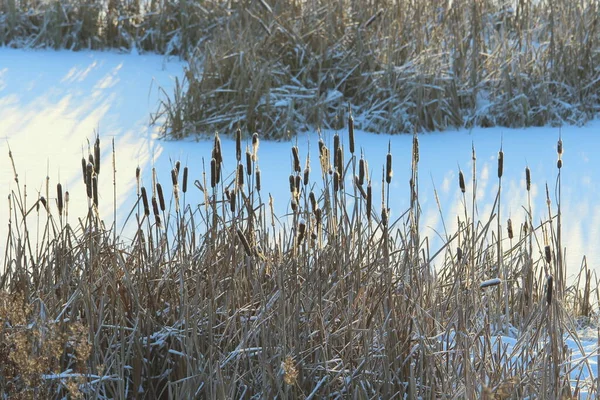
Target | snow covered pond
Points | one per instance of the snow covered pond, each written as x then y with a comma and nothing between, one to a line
51,104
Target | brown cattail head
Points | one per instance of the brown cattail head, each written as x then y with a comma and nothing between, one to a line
384,216
361,171
416,149
548,254
559,147
321,146
459,254
500,163
306,175
43,202
59,198
161,197
296,159
155,209
232,196
91,158
528,178
340,161
294,205
388,168
292,180
137,173
336,181
369,201
336,146
97,155
84,169
510,229
174,176
255,143
559,164
301,230
185,178
318,216
218,155
240,175
213,173
313,200
258,179
88,179
351,133
177,168
145,202
248,162
549,288
95,189
238,145
298,182
461,181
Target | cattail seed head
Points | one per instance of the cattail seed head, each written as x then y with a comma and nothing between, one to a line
185,178
351,133
340,161
213,173
321,146
155,210
459,254
174,176
232,196
416,149
384,216
301,231
42,200
461,181
548,254
177,167
137,173
218,155
248,162
84,169
240,175
336,146
559,147
145,202
500,163
161,197
91,158
559,163
97,155
296,159
292,180
528,178
95,190
336,181
549,288
238,145
306,175
361,171
369,201
88,179
388,168
255,143
59,198
318,216
510,229
258,179
298,182
313,200
294,205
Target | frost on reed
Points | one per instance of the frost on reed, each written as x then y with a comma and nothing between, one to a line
341,299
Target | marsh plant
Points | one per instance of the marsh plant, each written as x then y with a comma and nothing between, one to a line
341,298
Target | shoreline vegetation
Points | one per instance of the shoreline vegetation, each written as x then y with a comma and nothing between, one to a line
280,66
223,300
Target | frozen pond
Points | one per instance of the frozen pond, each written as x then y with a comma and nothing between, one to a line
52,102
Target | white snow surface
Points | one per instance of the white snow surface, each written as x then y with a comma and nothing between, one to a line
53,102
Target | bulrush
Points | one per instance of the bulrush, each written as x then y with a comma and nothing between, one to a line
351,133
361,170
145,202
240,175
301,231
255,143
185,179
95,189
369,201
549,288
258,179
510,229
137,179
213,173
248,162
336,181
292,180
161,197
296,159
461,181
527,178
84,169
313,201
388,165
238,145
500,163
548,254
88,179
59,198
97,155
155,210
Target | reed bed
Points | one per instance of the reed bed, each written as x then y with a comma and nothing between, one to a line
223,299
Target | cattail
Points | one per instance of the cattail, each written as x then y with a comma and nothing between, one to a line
43,201
177,168
361,171
559,147
97,155
321,146
292,180
416,149
95,190
161,198
67,202
459,254
306,175
232,200
528,178
461,181
59,198
294,205
384,216
351,133
336,146
248,162
388,168
258,179
340,161
336,181
510,229
318,216
313,200
218,155
91,159
298,182
137,179
548,254
88,179
559,163
155,210
145,202
549,285
301,230
369,201
238,145
213,173
360,188
174,176
500,163
185,178
84,169
240,175
255,143
296,158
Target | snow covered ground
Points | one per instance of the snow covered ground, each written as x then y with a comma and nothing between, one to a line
51,104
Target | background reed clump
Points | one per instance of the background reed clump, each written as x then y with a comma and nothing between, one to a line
341,298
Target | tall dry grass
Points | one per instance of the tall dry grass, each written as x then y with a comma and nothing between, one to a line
223,300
